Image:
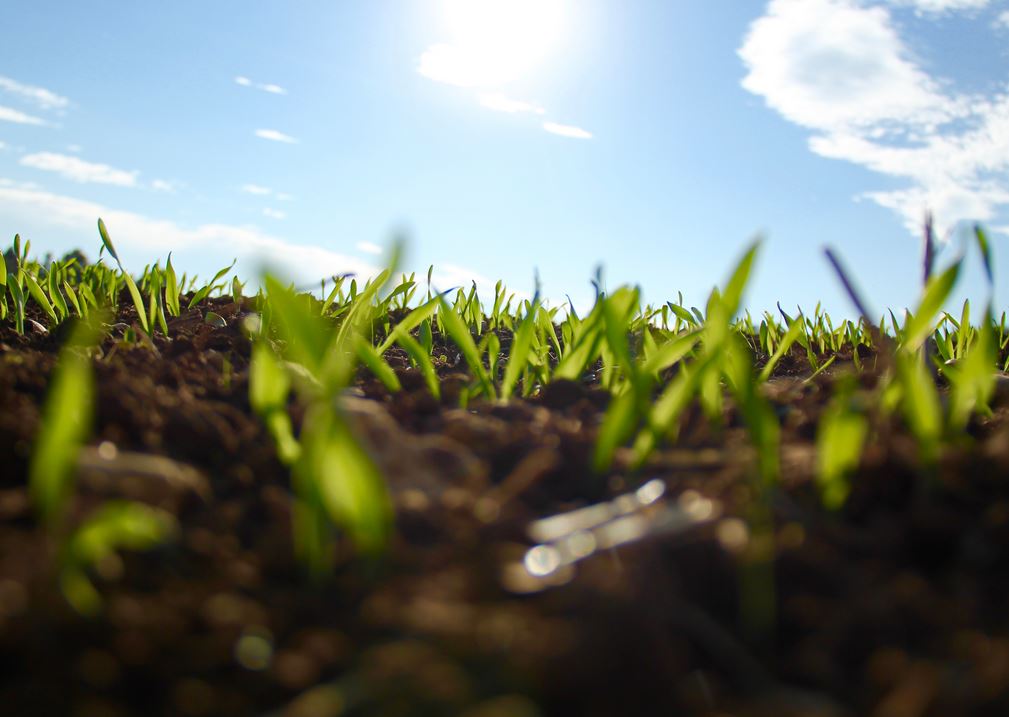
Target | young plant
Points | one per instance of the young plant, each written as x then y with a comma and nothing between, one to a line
114,526
138,301
212,285
519,354
335,481
840,439
458,331
66,423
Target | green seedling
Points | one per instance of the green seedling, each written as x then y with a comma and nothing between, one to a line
518,356
922,323
269,388
840,439
80,309
422,358
336,482
138,302
790,337
655,362
115,526
971,377
55,295
171,289
66,423
18,299
458,331
3,290
370,357
212,285
415,318
35,291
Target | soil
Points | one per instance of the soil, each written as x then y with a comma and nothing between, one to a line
894,606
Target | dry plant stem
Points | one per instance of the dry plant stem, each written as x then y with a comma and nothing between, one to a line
929,261
929,242
885,343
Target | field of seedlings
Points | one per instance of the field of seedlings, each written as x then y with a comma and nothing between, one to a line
372,498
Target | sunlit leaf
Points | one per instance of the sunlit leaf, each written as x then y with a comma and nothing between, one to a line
841,437
40,298
795,330
456,328
66,422
422,357
106,241
116,525
618,425
920,401
371,358
349,485
204,292
921,323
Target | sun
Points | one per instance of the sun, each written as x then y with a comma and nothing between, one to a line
494,42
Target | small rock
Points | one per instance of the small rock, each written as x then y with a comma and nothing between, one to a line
215,320
430,464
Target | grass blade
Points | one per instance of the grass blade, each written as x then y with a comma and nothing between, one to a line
795,329
422,358
921,324
457,330
371,358
66,422
518,355
40,298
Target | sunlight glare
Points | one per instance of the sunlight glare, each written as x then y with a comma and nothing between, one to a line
493,42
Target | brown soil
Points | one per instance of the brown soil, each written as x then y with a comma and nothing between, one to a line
895,606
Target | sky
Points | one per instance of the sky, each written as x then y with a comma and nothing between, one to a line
512,139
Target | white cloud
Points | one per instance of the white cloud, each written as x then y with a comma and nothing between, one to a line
453,276
39,96
369,247
262,86
17,117
567,130
840,69
75,148
275,136
274,213
832,64
261,191
135,231
446,277
2,145
502,103
1002,21
10,183
78,170
943,6
163,185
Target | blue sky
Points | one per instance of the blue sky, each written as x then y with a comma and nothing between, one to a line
651,137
